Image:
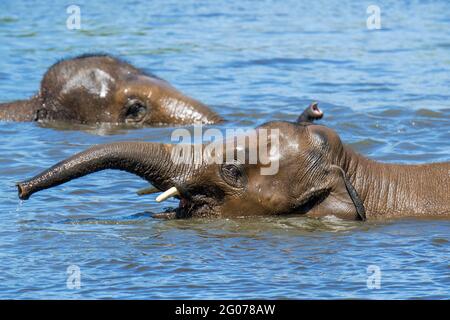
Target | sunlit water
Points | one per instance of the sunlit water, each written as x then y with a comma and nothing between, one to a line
386,92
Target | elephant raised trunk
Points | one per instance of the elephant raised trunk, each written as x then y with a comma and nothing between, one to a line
149,161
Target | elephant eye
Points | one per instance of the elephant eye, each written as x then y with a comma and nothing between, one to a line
135,111
233,174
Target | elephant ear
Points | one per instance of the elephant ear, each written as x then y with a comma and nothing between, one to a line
352,193
342,199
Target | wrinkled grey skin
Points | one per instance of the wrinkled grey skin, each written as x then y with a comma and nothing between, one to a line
94,89
318,175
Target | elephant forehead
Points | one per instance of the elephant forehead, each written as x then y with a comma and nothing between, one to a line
94,80
143,84
266,148
289,143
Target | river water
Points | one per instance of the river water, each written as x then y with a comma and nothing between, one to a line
386,92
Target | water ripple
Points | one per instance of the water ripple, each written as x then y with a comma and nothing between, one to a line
385,93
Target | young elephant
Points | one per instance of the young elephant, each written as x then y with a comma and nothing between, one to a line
316,175
100,88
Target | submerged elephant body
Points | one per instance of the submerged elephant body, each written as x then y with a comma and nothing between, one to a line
317,175
100,88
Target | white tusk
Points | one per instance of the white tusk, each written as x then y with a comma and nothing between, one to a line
167,194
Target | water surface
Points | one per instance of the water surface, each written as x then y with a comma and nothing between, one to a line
386,92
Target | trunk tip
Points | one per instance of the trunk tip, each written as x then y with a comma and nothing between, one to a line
22,191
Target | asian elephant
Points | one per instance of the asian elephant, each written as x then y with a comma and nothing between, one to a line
316,175
98,88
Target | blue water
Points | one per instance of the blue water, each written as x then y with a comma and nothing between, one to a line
385,91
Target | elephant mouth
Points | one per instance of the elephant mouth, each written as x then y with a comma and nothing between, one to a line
188,209
196,203
200,207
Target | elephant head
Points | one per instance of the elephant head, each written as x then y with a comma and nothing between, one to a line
298,172
102,89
